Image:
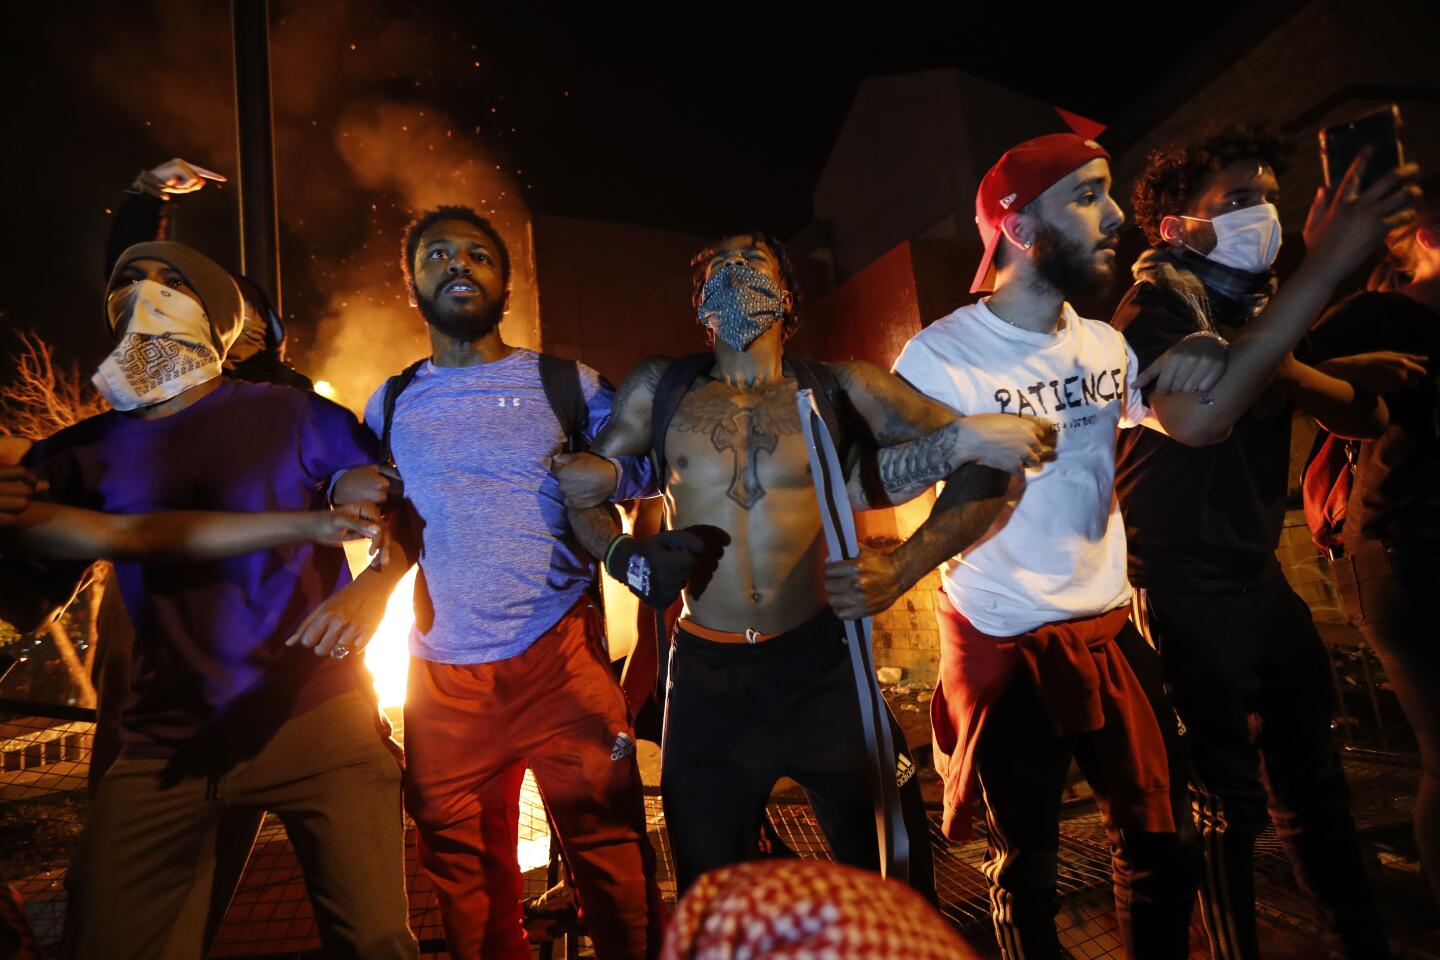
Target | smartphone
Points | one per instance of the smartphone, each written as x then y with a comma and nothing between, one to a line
1342,143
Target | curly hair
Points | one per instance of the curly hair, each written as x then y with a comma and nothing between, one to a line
416,228
1176,173
698,263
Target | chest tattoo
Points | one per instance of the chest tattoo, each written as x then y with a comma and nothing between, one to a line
743,424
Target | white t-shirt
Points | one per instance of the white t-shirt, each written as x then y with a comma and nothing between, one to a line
1057,552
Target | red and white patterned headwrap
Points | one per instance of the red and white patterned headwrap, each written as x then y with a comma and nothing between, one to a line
807,910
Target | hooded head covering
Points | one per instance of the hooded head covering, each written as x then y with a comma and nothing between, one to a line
212,285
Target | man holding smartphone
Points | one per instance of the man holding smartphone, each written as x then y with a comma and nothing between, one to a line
1204,507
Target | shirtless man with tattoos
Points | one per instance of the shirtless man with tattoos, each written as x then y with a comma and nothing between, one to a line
760,684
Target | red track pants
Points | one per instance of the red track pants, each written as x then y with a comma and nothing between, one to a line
470,732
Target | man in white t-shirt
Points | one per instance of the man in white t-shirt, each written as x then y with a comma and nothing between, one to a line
1038,660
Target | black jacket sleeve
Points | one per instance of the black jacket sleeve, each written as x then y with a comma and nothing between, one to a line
1152,322
138,219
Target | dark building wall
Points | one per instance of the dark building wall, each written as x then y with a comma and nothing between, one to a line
1329,61
908,159
612,294
868,317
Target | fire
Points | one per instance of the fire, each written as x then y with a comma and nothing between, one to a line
326,389
387,656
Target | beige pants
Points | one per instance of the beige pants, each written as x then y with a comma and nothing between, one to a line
326,774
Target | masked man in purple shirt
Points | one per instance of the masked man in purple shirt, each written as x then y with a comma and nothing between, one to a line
223,715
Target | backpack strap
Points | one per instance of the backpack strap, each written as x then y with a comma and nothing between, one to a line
674,384
560,376
820,380
393,388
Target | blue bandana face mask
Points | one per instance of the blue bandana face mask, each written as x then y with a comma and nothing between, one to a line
739,303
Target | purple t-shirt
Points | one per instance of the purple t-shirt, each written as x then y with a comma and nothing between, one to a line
209,636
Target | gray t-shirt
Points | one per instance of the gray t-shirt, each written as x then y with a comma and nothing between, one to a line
474,446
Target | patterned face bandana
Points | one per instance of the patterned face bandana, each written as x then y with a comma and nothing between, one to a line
165,350
739,303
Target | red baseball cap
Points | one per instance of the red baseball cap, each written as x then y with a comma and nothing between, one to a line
1021,175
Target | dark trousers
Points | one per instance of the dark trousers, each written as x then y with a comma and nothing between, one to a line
1249,675
1387,592
741,716
149,839
1022,764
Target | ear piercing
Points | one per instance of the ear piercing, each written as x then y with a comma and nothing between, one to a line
1029,244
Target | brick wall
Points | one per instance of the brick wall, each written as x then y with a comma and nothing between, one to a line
906,635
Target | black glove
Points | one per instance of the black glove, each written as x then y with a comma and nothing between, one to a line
656,568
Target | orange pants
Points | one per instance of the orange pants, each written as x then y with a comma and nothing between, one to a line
470,732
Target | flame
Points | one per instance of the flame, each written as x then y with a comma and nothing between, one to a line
387,656
326,389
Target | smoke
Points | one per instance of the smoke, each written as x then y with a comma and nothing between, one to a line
363,144
413,153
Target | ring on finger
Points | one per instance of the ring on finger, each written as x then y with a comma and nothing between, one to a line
340,652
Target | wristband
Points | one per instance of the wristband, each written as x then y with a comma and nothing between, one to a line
1209,335
610,551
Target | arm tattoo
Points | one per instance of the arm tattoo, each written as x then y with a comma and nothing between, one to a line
906,470
594,527
744,424
973,497
628,431
893,410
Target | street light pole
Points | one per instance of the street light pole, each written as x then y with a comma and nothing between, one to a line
255,147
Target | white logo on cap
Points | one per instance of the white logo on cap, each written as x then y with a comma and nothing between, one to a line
1092,144
1006,201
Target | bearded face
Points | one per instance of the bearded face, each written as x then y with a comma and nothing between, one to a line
459,283
1072,266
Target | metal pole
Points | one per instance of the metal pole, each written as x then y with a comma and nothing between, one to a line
255,147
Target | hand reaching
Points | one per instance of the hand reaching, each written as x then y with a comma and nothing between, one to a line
1380,371
1010,442
18,487
176,176
585,479
332,528
865,586
1345,226
1194,365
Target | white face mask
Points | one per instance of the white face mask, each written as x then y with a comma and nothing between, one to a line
165,350
1247,239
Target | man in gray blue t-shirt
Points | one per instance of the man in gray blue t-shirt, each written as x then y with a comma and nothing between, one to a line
508,667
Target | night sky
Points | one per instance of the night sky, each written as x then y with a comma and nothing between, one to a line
716,119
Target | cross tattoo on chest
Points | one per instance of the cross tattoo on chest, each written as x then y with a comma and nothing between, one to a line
744,424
